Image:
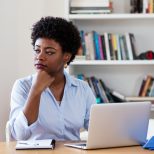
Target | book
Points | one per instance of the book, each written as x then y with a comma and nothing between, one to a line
106,38
82,34
91,11
35,144
136,99
90,6
129,47
96,43
87,46
91,86
150,86
122,98
150,6
102,92
122,48
110,46
118,95
133,45
141,87
89,3
80,57
107,91
114,46
125,47
100,47
94,82
103,47
81,76
151,93
118,48
145,6
146,85
89,40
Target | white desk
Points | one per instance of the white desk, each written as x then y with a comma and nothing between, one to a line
9,148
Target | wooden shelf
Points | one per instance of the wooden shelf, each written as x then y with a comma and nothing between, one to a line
110,16
113,62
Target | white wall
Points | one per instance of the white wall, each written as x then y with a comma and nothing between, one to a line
16,58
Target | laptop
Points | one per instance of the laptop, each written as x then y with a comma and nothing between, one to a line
116,125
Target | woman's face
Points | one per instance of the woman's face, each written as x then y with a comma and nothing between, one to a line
48,56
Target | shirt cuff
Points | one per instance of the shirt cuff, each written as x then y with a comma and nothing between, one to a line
23,131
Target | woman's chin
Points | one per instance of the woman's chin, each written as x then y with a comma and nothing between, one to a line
39,69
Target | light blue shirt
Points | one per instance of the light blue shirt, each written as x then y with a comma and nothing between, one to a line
59,122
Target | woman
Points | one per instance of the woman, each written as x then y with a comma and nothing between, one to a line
51,103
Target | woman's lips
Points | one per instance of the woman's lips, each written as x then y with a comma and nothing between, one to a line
40,66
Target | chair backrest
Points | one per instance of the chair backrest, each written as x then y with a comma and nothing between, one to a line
8,136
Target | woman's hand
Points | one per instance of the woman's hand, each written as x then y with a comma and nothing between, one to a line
42,81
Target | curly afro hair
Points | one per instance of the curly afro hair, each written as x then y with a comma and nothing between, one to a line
60,30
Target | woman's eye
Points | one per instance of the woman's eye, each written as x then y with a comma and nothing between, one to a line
49,52
36,51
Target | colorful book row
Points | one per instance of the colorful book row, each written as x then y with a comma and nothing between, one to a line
108,46
102,93
142,6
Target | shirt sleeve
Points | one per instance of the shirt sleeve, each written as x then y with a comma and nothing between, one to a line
18,123
90,99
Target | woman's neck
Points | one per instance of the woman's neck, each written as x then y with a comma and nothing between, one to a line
58,82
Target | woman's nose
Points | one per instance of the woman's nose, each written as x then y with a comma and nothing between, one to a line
40,56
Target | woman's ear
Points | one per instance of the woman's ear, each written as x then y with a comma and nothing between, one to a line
67,57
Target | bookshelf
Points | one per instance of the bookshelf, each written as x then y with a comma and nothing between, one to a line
124,76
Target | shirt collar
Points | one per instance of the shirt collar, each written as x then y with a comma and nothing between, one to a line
69,80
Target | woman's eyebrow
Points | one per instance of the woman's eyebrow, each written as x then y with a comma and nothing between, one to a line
49,47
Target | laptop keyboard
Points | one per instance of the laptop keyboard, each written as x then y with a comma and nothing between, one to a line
82,144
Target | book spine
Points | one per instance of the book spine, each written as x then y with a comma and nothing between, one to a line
114,44
94,82
129,47
146,86
110,46
117,94
133,45
145,6
87,44
118,48
106,100
125,47
122,48
91,46
107,92
89,3
149,88
100,47
151,6
83,42
96,42
103,46
91,86
107,46
141,87
151,94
